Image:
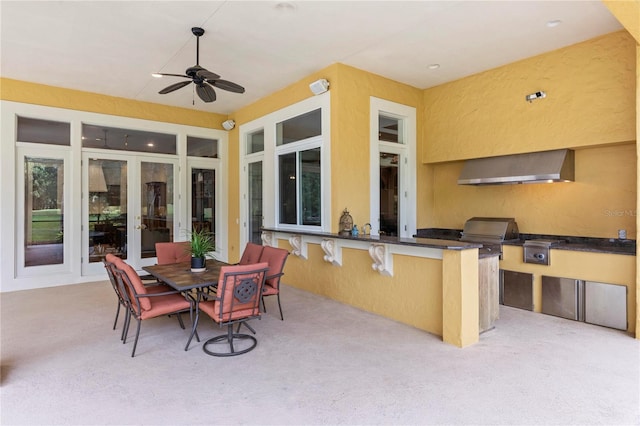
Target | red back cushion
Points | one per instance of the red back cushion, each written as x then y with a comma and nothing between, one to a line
145,303
232,308
275,257
173,252
251,254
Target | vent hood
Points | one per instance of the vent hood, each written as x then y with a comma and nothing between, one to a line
534,167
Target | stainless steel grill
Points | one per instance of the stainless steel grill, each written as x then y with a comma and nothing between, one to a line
491,232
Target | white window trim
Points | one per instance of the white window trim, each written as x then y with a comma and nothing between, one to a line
221,198
47,152
407,151
269,159
39,278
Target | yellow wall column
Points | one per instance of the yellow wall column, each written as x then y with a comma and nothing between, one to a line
628,14
460,304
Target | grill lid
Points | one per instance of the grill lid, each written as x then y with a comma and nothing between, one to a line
490,229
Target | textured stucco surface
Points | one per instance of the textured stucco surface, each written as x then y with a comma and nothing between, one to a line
38,94
412,296
590,100
601,200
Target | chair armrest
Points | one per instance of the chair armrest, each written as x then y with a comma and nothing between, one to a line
164,293
206,296
268,277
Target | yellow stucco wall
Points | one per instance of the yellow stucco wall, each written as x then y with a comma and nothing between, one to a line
590,101
38,94
351,90
460,303
412,296
627,12
601,201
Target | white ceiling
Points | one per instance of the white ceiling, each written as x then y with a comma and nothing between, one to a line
112,47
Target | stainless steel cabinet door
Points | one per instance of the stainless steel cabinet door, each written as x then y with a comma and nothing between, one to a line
516,289
560,297
605,304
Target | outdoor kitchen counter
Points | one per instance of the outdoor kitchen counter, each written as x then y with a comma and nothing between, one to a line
593,245
436,285
444,244
588,244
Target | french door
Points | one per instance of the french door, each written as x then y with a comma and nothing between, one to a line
129,204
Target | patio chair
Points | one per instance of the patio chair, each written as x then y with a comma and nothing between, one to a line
237,301
109,265
144,302
251,254
113,262
275,257
173,252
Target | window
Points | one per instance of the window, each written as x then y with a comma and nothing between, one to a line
127,140
255,142
299,169
286,176
303,126
201,147
300,196
393,169
390,129
43,131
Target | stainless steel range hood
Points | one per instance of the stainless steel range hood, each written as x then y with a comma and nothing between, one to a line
534,167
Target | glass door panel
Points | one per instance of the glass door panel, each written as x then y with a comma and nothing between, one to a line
203,200
107,207
44,211
389,193
129,207
156,199
255,202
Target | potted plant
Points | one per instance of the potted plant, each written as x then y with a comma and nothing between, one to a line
201,243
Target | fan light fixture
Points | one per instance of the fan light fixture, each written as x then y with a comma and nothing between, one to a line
229,124
319,86
203,79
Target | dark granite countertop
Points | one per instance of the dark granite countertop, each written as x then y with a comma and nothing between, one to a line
445,244
588,244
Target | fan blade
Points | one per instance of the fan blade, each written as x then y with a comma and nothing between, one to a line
227,85
207,75
173,87
172,75
206,92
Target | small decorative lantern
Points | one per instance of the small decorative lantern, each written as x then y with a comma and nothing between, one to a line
346,223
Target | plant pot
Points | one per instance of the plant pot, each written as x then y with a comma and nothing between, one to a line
198,264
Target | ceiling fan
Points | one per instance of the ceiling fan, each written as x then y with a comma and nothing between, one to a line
204,79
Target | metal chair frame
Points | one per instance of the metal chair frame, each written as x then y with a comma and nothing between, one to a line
110,267
134,308
278,276
247,289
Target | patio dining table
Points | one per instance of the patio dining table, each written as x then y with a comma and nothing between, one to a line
179,277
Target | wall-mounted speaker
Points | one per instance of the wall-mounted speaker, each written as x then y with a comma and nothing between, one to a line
319,86
229,124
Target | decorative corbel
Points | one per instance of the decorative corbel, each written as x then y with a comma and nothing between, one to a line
267,238
332,252
381,259
299,248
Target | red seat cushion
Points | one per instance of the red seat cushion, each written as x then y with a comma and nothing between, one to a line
163,305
